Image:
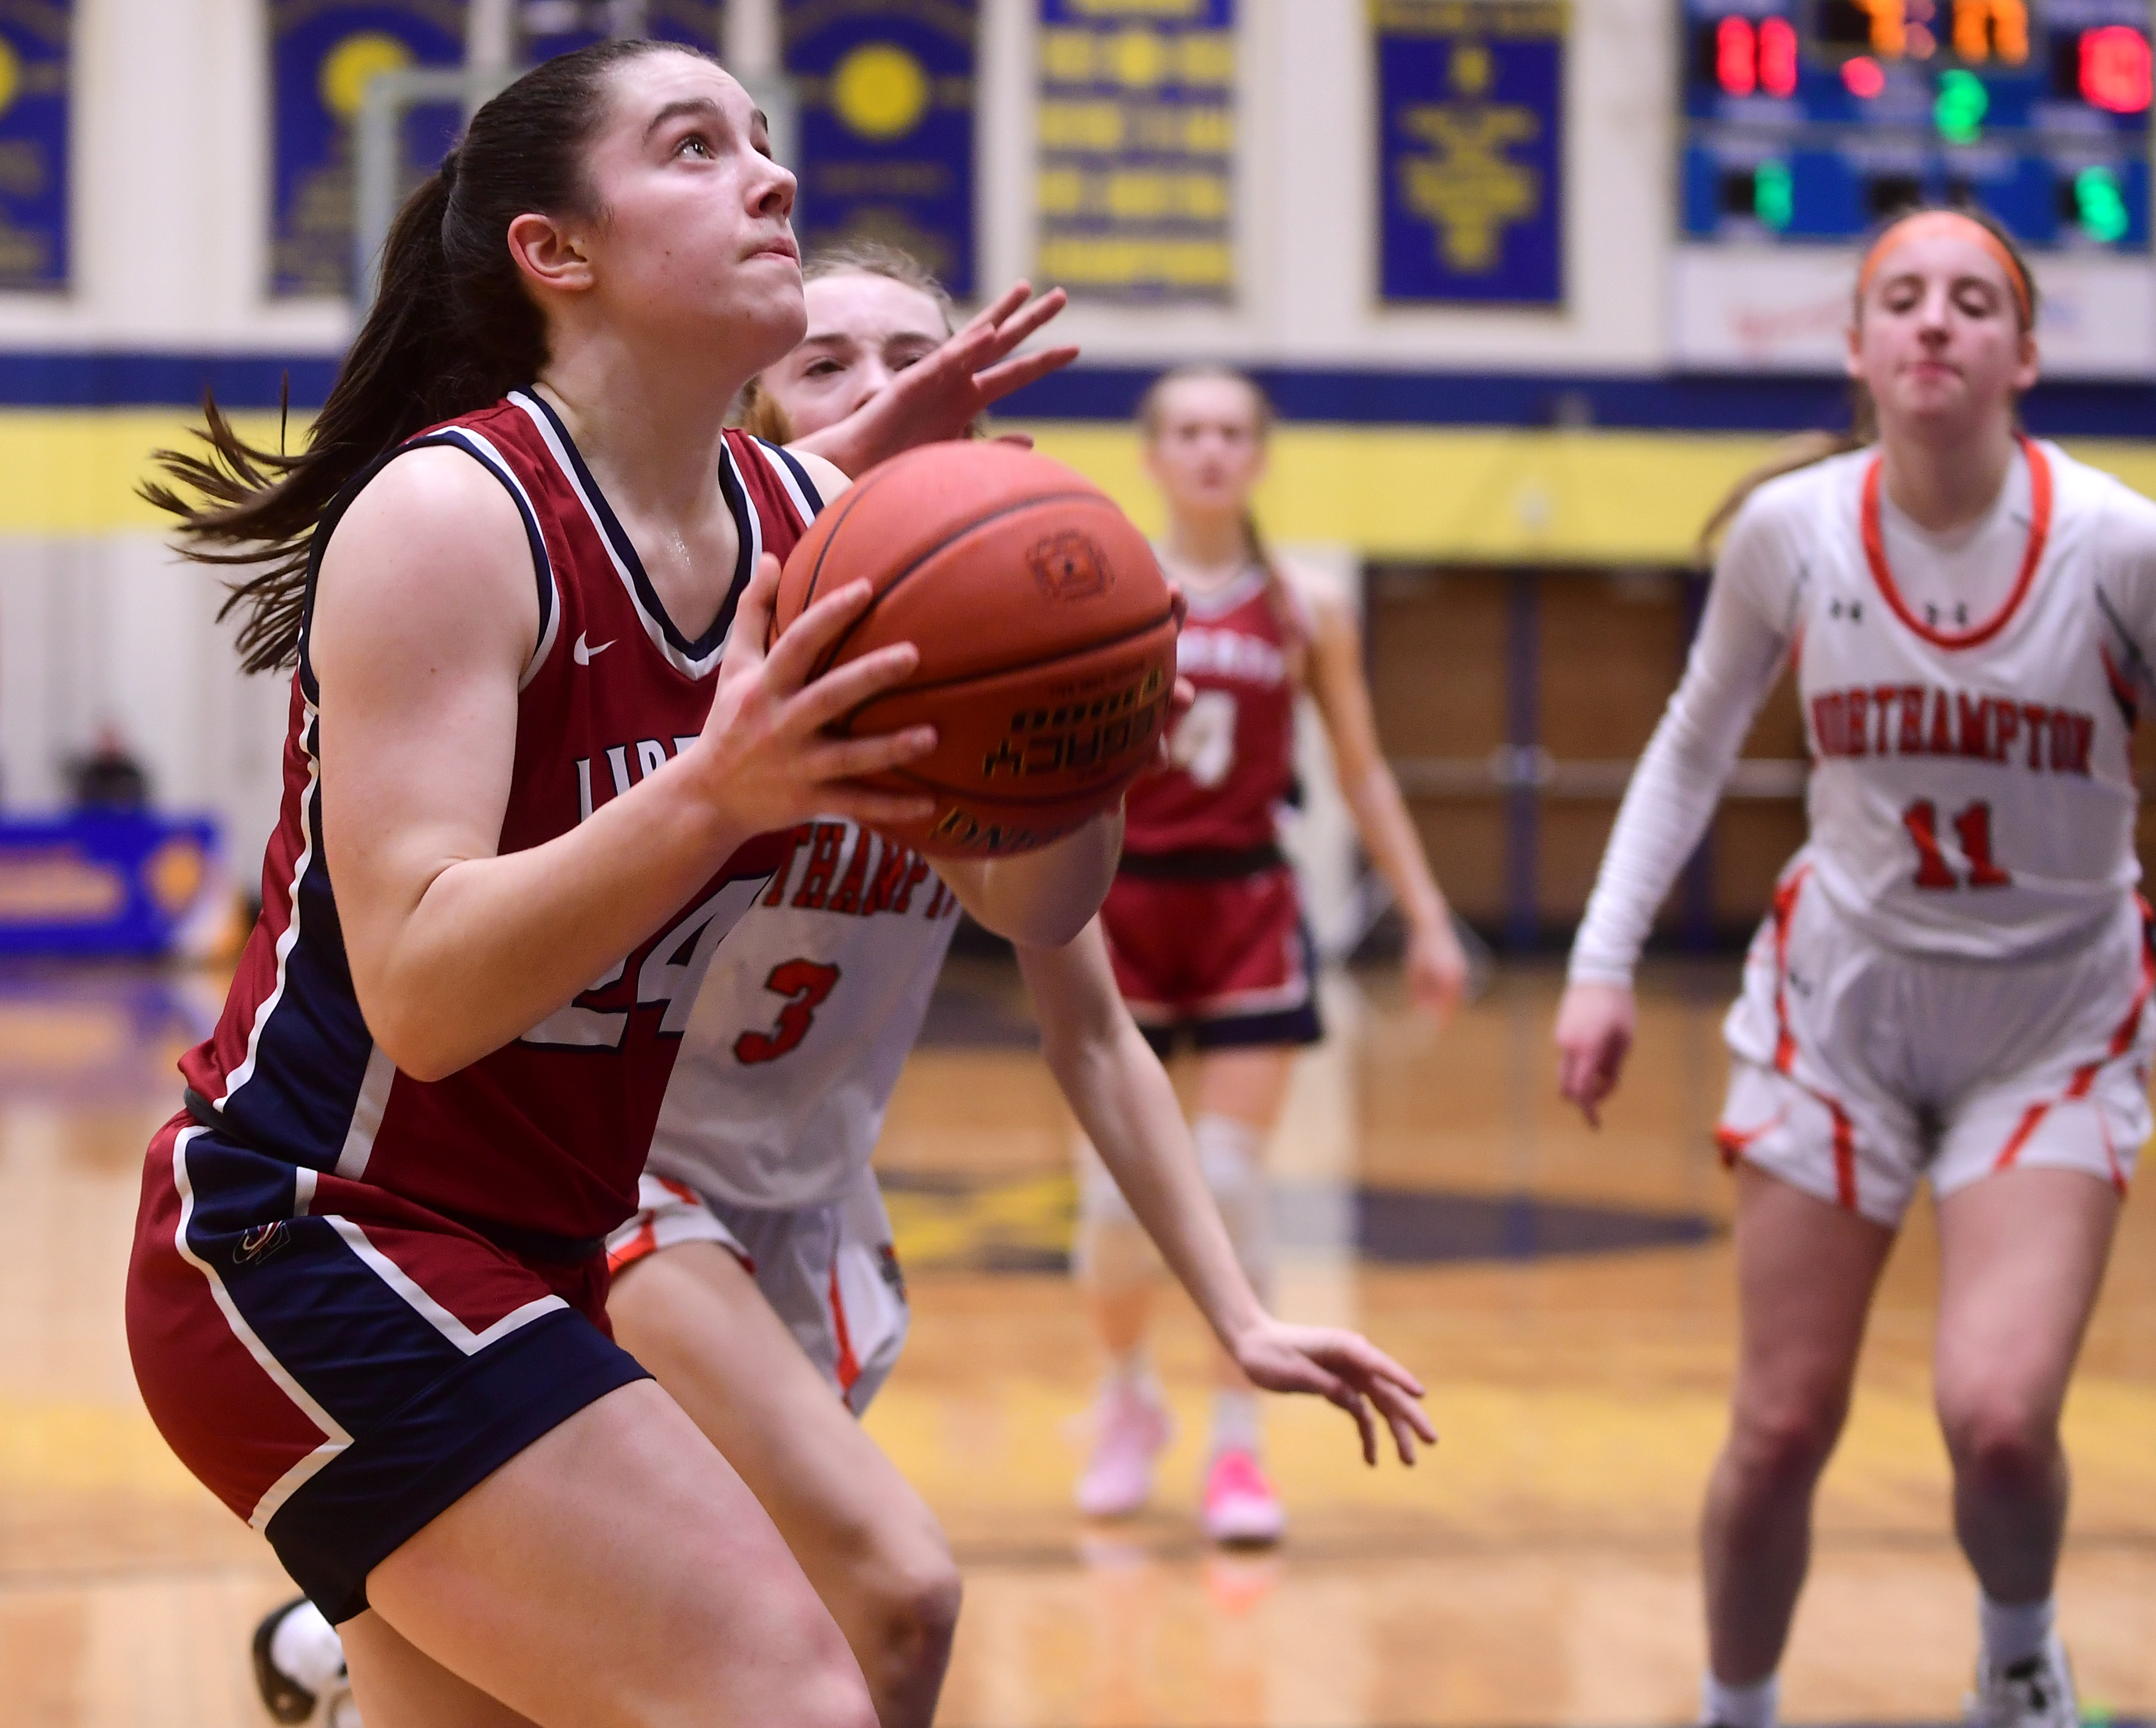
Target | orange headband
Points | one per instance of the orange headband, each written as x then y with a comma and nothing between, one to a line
1944,222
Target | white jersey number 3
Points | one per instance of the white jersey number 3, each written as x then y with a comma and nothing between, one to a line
1203,742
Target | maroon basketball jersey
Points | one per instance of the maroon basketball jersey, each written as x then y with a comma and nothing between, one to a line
1232,757
548,1133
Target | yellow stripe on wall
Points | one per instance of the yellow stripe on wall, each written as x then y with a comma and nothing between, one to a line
1476,495
1471,494
74,472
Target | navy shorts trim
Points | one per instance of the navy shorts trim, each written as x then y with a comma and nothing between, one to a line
1293,1027
365,1503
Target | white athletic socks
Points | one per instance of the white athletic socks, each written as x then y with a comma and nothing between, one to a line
2013,1631
1236,1424
1753,1706
306,1650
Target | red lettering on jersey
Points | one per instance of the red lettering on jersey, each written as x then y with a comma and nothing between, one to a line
1975,725
899,871
799,836
1829,717
2006,722
848,896
1883,706
824,849
1859,723
1941,742
2072,735
2039,719
1911,741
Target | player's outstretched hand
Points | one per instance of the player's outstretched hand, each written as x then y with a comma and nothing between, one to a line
942,393
1345,1369
762,749
1595,1023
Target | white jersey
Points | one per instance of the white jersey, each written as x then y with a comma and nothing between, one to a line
1969,702
811,1006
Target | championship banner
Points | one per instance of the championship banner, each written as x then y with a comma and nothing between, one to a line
558,27
1471,150
322,55
100,883
887,93
34,55
1136,188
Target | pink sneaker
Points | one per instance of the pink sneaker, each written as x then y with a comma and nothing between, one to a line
1130,1431
1241,1509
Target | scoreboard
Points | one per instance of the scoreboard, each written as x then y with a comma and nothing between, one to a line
1809,121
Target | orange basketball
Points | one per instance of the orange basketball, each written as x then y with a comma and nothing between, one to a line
1045,629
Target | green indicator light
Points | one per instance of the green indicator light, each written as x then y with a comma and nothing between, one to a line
1774,199
1961,107
2102,204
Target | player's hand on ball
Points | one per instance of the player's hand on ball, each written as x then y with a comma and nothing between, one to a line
762,749
1595,1023
942,393
1345,1369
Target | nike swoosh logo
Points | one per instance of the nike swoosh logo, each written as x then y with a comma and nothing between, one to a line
584,655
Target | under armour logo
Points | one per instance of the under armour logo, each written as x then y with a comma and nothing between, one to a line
1853,611
584,655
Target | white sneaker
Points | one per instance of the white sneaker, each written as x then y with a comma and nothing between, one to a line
299,1669
2034,1693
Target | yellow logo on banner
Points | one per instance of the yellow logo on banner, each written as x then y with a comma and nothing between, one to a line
1468,187
11,75
354,63
880,91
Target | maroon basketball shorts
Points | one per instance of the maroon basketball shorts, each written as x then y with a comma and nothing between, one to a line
1228,961
338,1364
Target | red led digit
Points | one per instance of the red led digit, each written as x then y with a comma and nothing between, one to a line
1735,67
2115,69
1777,57
1864,77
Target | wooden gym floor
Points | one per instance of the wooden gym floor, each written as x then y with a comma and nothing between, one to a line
1567,1296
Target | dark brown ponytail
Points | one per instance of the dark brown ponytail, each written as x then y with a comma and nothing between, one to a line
451,330
1808,448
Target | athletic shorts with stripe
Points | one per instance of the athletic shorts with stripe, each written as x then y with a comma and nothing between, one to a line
829,1272
339,1365
1859,1072
1228,961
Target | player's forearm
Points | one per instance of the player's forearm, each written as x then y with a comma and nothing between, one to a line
492,946
1124,1101
1043,899
1388,832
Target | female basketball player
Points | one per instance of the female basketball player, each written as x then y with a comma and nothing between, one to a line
1203,921
365,1300
758,1278
1954,981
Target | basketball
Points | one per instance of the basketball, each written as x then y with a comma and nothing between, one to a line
1046,632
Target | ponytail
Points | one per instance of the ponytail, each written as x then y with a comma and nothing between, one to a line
452,330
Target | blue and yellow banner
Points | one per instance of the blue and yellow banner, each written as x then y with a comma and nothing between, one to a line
1471,150
887,90
35,44
558,27
322,55
1137,191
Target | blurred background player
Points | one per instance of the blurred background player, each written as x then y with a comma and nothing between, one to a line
758,1280
1204,922
1954,981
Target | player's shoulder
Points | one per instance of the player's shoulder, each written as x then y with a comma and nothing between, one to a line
1805,498
2124,517
807,482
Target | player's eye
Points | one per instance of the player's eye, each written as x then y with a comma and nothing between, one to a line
699,144
824,368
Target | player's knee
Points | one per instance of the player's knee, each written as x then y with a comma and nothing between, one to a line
1785,1443
1230,1157
1999,1441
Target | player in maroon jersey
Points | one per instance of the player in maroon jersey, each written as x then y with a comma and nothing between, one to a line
365,1301
1203,923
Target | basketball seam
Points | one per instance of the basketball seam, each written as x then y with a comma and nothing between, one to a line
831,654
853,496
1005,672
